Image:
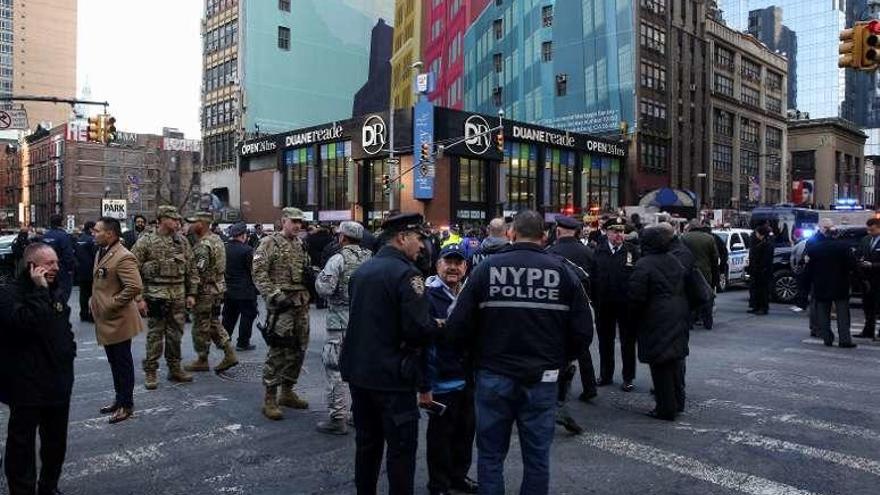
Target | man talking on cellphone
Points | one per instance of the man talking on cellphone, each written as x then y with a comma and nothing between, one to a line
36,367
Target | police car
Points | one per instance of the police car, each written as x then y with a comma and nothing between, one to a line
737,243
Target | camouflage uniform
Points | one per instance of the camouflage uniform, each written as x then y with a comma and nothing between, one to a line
168,274
209,258
279,274
332,283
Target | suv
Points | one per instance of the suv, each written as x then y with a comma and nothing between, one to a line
737,242
785,279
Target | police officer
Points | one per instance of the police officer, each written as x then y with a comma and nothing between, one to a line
209,258
165,261
389,322
612,266
869,266
280,264
333,284
85,250
60,241
241,294
525,315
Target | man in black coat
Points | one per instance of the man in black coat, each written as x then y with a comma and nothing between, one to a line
869,267
569,246
85,250
761,270
388,326
36,372
828,270
60,241
612,266
241,294
131,236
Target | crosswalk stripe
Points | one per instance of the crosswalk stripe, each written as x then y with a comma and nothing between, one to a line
862,345
840,354
101,422
688,466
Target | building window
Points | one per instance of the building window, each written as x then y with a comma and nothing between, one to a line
653,76
283,38
723,85
471,180
774,168
653,37
559,166
334,176
655,6
722,159
654,156
284,5
723,194
751,96
497,96
774,81
774,137
723,57
298,164
774,104
653,113
547,15
547,51
723,123
561,84
522,176
498,28
748,164
499,3
751,70
748,131
498,62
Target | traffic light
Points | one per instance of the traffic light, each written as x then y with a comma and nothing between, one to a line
499,142
386,182
870,45
860,46
96,129
109,129
426,152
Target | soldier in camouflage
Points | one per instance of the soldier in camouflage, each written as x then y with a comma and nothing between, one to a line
280,265
209,258
164,258
332,283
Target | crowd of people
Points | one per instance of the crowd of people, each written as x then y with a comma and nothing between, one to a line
479,329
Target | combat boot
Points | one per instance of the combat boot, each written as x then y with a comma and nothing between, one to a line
270,406
176,374
290,399
151,381
200,364
229,359
332,427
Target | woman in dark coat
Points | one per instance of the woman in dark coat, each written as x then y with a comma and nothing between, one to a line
658,301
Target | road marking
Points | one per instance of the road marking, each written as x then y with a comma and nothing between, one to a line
843,354
740,386
138,456
862,345
717,475
94,358
101,422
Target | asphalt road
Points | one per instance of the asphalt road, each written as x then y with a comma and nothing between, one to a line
769,412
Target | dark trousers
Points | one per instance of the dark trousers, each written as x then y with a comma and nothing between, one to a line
21,468
451,439
85,292
382,418
247,310
613,317
870,302
668,378
122,367
759,293
823,320
588,377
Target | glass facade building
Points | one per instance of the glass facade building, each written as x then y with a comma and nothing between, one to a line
821,85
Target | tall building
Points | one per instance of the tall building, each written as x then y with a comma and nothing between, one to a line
821,85
406,51
766,25
38,55
275,65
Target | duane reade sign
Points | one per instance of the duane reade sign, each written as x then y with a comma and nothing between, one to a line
114,208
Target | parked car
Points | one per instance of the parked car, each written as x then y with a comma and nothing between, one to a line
785,280
7,265
737,242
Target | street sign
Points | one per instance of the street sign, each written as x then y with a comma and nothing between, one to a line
114,208
13,119
392,161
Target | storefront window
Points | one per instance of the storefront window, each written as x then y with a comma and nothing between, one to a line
522,175
299,167
559,169
378,198
602,181
334,178
472,180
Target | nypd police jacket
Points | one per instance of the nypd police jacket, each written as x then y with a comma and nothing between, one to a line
522,312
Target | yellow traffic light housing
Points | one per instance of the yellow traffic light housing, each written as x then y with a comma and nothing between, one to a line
500,142
860,46
426,152
386,182
109,129
96,129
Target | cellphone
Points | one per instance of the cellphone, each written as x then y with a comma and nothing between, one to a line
434,408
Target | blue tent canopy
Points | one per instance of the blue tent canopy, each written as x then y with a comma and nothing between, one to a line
667,197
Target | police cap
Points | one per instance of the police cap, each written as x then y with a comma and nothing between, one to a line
567,222
237,229
405,222
615,223
201,216
167,211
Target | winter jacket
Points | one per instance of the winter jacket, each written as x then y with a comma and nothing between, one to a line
445,368
829,265
85,250
658,301
610,273
488,247
761,259
702,244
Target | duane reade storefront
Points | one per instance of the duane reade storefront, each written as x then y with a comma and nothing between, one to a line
345,170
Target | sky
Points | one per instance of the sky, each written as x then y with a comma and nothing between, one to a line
144,58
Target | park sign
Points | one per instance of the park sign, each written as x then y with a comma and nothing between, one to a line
114,208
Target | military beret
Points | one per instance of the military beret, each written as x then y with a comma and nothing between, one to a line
237,229
353,230
404,222
567,222
201,216
292,213
615,223
167,211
